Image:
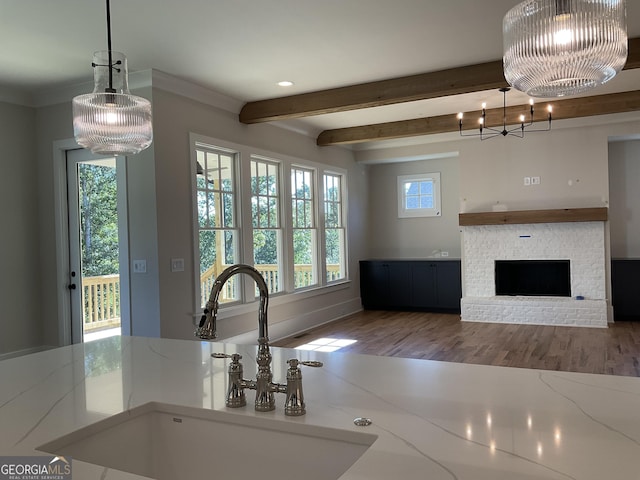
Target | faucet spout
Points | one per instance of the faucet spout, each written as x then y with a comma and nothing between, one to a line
207,329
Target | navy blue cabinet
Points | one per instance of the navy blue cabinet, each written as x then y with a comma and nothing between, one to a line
625,288
431,285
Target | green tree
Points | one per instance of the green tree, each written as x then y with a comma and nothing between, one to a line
99,219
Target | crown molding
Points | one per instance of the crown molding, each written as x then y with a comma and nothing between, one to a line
170,83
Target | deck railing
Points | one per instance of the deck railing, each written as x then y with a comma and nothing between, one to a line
101,294
303,276
101,302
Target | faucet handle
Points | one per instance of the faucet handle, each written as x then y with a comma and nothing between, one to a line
294,404
311,363
233,356
294,362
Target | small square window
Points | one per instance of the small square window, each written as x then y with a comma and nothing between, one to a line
419,195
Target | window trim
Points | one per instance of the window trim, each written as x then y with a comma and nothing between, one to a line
435,211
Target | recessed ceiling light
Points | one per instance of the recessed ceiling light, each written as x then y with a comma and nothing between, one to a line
285,83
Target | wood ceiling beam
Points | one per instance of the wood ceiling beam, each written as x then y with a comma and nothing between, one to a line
453,81
562,109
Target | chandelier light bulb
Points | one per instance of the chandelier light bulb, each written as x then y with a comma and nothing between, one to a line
556,48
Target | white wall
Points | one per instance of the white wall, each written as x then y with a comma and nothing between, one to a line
393,237
624,213
21,315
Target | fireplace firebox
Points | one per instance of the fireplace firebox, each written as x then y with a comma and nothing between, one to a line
550,278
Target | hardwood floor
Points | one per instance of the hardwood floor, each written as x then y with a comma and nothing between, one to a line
435,336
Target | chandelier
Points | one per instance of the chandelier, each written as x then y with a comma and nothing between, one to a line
111,121
555,48
486,132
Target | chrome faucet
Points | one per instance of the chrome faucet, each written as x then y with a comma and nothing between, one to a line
263,385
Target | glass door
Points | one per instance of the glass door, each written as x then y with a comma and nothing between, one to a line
95,282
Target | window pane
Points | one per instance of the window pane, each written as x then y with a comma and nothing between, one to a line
426,202
212,198
217,251
304,258
304,228
334,228
412,188
217,235
267,235
426,188
412,202
266,254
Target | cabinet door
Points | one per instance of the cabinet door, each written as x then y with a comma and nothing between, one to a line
625,289
423,288
374,284
449,285
399,289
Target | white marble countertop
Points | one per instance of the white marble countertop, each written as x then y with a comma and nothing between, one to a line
434,420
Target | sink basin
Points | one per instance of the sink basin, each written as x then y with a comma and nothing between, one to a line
169,442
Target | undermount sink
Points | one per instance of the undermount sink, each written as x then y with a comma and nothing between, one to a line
169,442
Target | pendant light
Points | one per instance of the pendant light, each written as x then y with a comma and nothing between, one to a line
556,48
111,121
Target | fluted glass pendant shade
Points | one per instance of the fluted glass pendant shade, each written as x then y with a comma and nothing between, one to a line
111,121
555,48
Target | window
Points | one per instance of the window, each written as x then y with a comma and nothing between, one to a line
303,222
419,195
283,215
265,220
216,211
334,228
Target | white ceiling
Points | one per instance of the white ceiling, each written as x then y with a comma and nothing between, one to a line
242,48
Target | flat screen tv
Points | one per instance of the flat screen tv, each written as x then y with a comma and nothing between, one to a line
550,278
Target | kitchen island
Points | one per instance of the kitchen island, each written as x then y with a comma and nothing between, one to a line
434,420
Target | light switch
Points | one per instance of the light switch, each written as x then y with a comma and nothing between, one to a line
139,266
535,180
177,264
527,181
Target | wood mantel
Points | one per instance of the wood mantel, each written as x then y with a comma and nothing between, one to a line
598,214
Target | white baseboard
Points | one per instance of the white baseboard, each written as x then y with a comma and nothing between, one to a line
26,351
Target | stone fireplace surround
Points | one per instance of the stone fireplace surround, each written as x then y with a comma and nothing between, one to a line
582,242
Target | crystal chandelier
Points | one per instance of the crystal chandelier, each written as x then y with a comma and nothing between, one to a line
555,48
486,132
111,121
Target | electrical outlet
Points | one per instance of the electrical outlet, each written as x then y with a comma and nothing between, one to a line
177,264
535,180
444,254
139,266
527,181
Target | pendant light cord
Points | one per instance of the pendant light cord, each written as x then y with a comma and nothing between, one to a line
111,90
